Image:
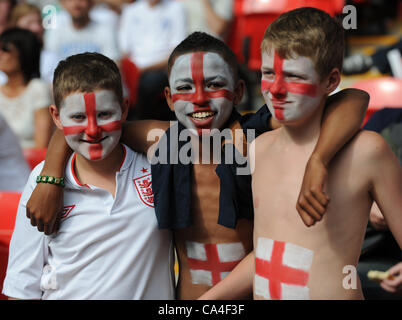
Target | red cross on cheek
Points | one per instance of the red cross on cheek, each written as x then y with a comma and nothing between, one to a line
200,96
280,87
92,130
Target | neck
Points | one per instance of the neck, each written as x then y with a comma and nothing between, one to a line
304,133
15,84
87,170
80,23
15,79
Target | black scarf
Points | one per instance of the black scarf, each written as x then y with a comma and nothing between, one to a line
171,183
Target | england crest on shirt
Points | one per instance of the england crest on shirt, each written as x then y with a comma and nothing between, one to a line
143,185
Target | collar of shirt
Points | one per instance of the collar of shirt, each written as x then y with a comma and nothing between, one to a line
71,179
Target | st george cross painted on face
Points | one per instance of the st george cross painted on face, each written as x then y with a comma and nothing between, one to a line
202,87
91,123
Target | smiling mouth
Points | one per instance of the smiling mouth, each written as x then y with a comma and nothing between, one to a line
202,115
94,141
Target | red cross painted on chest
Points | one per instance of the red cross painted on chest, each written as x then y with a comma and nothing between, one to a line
200,95
212,263
277,273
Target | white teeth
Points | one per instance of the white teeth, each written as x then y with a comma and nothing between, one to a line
200,115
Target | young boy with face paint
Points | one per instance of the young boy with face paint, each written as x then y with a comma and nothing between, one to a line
302,54
108,245
207,205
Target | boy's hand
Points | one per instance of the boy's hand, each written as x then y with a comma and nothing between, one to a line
44,206
312,201
394,285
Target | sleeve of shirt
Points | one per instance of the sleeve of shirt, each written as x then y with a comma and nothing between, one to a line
41,94
27,253
223,8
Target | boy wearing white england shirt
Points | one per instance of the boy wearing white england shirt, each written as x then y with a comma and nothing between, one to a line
108,245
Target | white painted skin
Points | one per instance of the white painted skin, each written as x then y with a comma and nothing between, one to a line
74,113
294,256
227,252
217,75
299,70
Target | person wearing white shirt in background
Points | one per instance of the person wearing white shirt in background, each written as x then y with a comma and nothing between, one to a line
78,33
108,245
24,98
28,16
14,170
149,31
210,16
5,9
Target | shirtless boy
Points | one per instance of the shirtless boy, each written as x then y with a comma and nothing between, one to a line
210,236
302,54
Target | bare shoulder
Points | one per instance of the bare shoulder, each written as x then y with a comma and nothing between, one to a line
370,141
369,145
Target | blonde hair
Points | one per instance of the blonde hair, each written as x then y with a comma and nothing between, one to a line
21,10
307,32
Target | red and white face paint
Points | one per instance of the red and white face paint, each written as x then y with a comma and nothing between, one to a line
91,123
202,87
290,87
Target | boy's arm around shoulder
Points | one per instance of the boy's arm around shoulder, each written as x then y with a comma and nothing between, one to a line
27,252
142,135
46,199
343,116
385,173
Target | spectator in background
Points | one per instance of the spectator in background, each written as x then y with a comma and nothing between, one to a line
149,30
79,33
210,16
5,9
380,250
14,170
28,16
24,98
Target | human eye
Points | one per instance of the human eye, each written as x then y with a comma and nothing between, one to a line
268,74
294,77
78,117
183,87
105,115
214,85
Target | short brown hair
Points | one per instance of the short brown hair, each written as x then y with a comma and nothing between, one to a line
308,32
86,72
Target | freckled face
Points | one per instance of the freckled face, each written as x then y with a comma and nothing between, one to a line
290,87
91,123
202,87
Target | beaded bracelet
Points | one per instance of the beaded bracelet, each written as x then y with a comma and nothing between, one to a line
50,179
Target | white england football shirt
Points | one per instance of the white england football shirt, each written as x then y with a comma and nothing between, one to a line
106,248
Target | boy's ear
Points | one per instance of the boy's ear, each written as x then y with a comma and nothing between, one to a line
333,80
124,108
54,112
168,96
239,92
